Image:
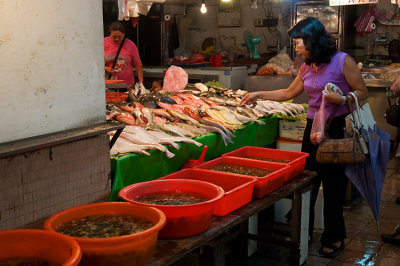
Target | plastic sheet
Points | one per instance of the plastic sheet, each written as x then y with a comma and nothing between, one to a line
175,79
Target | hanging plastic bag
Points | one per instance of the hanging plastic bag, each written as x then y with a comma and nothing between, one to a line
318,127
175,79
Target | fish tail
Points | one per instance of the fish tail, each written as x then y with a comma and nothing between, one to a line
169,154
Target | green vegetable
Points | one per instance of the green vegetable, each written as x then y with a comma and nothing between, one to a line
214,83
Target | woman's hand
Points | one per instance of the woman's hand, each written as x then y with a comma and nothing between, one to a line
335,98
250,97
396,88
109,70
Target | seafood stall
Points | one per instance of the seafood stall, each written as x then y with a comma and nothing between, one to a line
165,129
135,167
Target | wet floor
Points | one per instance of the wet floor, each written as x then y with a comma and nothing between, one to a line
363,245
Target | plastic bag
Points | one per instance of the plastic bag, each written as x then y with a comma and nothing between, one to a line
175,79
318,127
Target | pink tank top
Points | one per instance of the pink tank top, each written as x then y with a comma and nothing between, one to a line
315,81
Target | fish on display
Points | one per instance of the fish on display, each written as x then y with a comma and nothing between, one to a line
167,106
165,136
122,146
212,122
182,116
151,144
157,119
167,100
126,118
201,87
172,129
197,131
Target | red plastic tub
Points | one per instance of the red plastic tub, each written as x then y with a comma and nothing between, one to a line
238,189
182,220
38,245
116,97
296,160
135,249
263,185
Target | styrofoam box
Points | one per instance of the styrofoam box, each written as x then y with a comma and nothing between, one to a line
292,129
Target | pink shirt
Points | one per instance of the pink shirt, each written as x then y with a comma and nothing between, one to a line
127,59
315,81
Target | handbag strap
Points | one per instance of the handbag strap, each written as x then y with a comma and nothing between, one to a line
117,55
352,111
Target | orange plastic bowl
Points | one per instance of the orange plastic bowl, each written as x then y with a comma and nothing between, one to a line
182,220
39,245
136,249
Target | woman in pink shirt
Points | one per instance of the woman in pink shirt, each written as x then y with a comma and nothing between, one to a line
323,64
128,57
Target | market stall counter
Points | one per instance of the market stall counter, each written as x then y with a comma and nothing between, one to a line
133,168
169,251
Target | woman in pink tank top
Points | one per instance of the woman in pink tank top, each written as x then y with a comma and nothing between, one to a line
322,64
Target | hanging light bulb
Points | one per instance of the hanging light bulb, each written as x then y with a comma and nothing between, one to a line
203,8
254,4
226,1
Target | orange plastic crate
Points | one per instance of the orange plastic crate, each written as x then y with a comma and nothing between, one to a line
263,185
238,189
297,160
116,97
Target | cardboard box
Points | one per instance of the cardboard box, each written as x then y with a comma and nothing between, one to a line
292,129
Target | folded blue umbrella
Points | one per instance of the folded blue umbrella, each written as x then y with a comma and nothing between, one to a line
368,177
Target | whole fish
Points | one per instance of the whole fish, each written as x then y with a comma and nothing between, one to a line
126,108
126,118
192,128
209,122
225,138
165,136
161,112
167,106
140,119
201,87
148,114
146,136
137,139
122,146
182,116
246,119
173,129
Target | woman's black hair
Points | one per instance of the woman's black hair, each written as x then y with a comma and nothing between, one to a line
116,26
318,42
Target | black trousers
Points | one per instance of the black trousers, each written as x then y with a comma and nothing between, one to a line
334,184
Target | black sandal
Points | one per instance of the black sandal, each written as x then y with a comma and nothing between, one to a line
335,249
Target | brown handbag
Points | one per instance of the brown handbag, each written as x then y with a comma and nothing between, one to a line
348,150
341,151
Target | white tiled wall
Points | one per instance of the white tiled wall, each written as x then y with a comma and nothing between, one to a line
38,184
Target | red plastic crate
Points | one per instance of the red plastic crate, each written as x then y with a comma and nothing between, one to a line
263,185
238,189
297,159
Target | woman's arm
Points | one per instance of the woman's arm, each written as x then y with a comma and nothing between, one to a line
353,77
139,73
289,93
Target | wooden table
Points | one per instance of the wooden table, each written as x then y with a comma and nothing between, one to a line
169,251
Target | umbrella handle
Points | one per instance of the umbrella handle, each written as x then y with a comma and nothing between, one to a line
203,153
